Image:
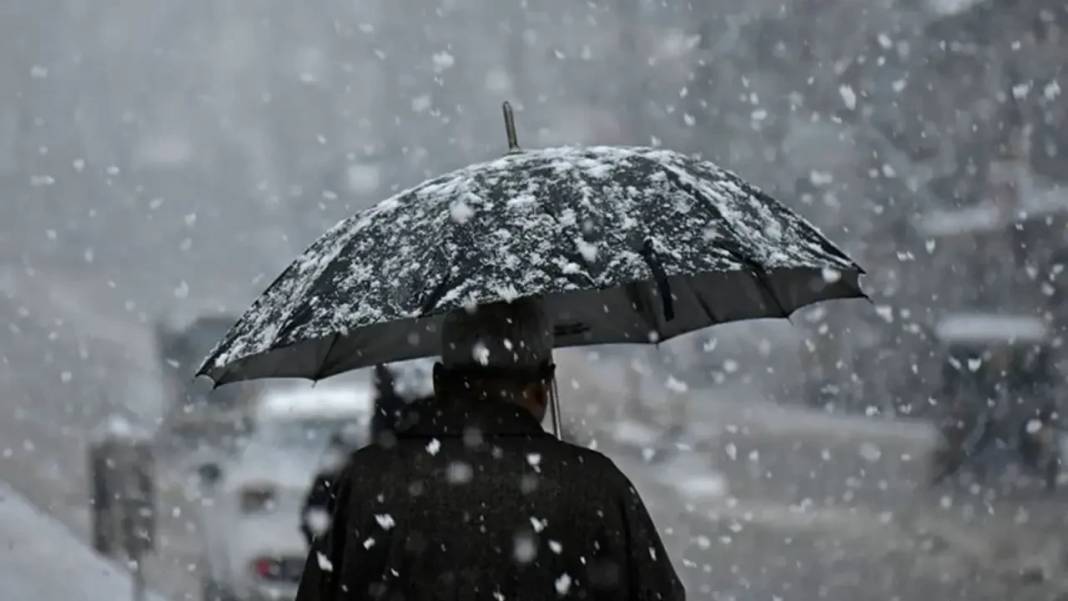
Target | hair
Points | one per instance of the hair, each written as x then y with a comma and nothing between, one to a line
491,342
498,335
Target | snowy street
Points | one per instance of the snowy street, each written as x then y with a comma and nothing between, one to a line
796,268
40,559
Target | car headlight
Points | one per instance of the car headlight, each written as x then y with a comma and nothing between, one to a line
256,499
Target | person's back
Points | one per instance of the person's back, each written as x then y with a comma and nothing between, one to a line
473,500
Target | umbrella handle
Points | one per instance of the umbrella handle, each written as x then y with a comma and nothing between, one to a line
554,406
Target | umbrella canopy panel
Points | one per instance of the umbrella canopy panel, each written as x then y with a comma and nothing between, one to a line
624,245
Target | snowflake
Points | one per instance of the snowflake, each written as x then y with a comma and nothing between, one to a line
539,525
563,583
324,562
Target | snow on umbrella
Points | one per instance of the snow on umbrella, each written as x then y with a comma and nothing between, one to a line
623,244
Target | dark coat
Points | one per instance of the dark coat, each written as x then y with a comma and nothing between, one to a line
474,501
320,497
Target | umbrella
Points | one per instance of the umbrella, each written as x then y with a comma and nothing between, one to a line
622,244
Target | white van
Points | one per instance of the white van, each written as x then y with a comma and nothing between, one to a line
250,515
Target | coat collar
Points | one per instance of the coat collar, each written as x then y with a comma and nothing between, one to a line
453,417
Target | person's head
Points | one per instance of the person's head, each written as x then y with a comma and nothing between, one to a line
501,351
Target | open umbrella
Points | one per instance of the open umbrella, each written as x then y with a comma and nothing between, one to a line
623,244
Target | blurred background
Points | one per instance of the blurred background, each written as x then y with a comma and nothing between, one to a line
161,162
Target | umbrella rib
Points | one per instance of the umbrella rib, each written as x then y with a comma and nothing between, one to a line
322,364
435,295
662,284
745,260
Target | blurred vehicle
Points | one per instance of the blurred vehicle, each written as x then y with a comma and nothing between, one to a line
197,416
997,384
251,504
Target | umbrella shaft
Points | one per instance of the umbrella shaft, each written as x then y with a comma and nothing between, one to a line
554,406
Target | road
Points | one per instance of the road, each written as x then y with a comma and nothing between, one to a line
760,502
40,559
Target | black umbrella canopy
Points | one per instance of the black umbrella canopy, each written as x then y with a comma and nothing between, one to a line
623,244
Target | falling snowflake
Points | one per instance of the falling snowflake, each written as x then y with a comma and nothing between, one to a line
563,584
324,563
370,542
677,386
886,312
433,446
1052,90
524,549
318,521
538,525
534,459
182,291
442,61
555,547
459,472
421,103
480,353
849,97
870,452
385,520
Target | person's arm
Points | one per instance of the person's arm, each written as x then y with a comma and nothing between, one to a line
650,575
319,498
319,582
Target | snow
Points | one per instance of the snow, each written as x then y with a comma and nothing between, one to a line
442,61
324,563
459,472
421,103
987,327
849,97
563,584
41,560
538,524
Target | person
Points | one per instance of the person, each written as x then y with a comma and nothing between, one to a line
474,500
1039,444
965,438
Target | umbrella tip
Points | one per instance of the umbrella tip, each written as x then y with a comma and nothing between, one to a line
509,128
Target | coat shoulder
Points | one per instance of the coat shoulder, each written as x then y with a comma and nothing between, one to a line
597,462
